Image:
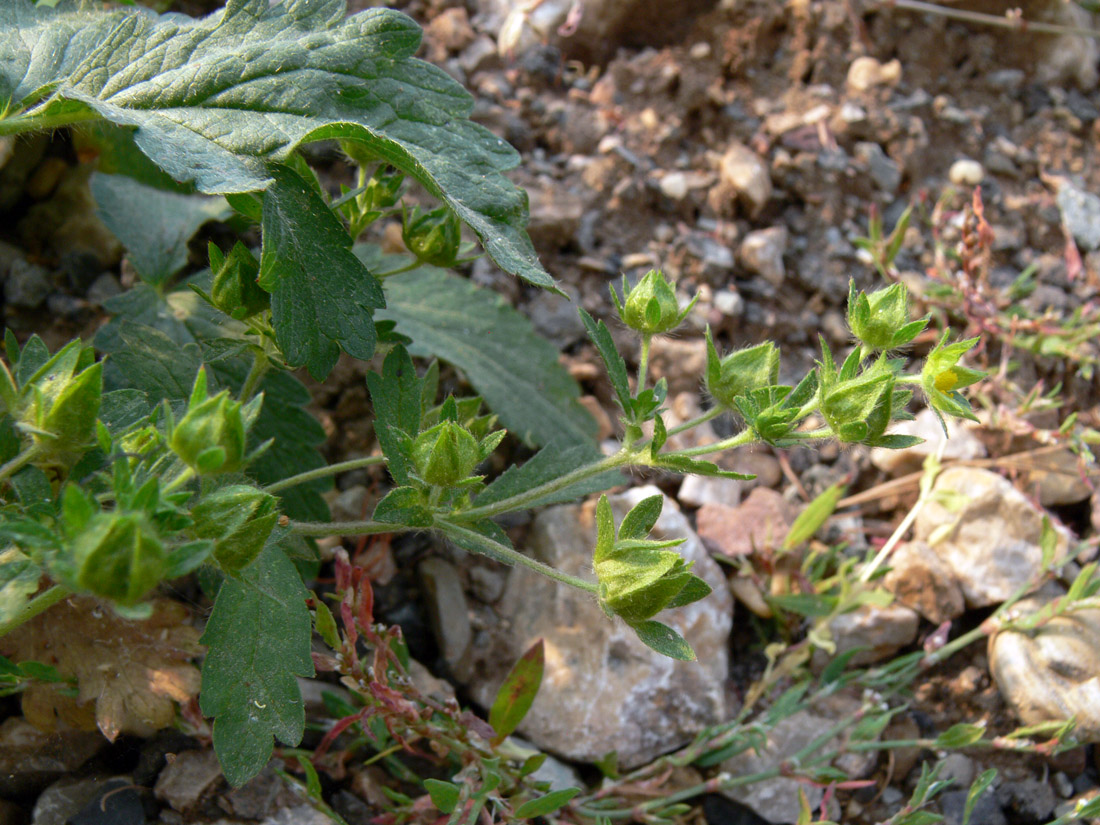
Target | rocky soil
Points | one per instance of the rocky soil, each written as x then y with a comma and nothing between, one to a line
741,146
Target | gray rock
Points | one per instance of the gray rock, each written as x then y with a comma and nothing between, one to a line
761,253
695,491
1051,673
1081,215
447,606
186,779
603,689
884,171
986,810
555,217
64,798
31,759
957,767
27,285
486,585
681,362
881,631
729,303
298,815
556,318
919,579
1029,800
747,175
103,288
989,537
776,800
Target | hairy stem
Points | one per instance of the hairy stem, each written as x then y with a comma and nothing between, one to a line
260,365
318,529
39,604
746,436
505,554
643,361
31,122
19,462
709,415
323,472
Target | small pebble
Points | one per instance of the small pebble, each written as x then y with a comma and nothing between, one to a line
674,185
867,72
966,172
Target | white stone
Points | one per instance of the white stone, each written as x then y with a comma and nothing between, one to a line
674,185
746,173
966,172
761,253
867,73
962,444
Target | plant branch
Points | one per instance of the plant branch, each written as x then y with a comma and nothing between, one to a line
31,122
746,436
19,462
318,529
323,472
505,554
643,361
709,415
260,365
39,604
1007,21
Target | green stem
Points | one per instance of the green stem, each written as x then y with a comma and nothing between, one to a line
260,365
351,194
186,474
407,268
40,603
746,436
643,361
318,529
523,500
30,122
19,462
709,415
505,554
323,472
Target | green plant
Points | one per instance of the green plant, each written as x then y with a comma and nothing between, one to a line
186,448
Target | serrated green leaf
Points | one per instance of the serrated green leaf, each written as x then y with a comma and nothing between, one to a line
214,98
153,225
259,641
404,505
444,795
396,397
517,692
145,359
664,640
546,804
322,296
548,464
509,365
616,366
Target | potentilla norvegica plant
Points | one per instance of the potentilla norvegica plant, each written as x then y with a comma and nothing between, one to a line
179,444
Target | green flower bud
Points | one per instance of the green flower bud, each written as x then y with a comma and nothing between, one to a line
651,307
640,577
239,518
881,320
212,435
433,237
942,377
740,372
383,189
445,454
117,556
235,290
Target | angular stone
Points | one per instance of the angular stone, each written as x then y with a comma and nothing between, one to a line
881,631
447,607
186,779
990,536
746,173
761,520
30,759
920,579
695,491
680,362
603,689
761,253
1057,478
1080,214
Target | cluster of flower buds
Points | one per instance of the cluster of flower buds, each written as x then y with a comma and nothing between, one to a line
651,307
433,237
235,290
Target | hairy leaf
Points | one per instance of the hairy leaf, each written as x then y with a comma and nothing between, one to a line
546,465
213,99
19,578
517,692
322,295
152,224
664,640
396,396
258,635
510,366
